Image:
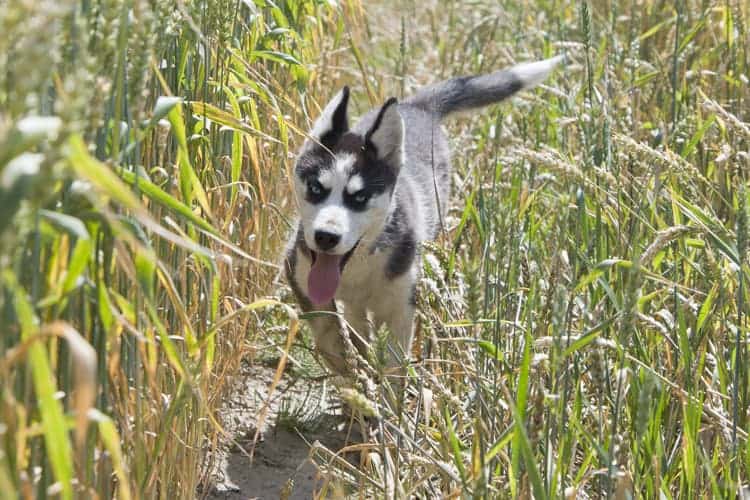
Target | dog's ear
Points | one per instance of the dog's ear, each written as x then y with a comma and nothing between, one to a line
386,136
332,122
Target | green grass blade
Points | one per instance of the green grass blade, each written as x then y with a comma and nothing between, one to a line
57,440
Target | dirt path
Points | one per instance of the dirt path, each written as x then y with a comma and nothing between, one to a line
300,414
281,458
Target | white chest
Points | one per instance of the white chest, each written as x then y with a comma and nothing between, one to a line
363,277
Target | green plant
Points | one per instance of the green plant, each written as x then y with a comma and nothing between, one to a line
143,145
584,316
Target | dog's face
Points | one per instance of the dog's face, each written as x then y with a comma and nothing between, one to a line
344,183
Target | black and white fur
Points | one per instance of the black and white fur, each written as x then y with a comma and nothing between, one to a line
368,195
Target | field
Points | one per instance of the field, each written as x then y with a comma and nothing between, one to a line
582,319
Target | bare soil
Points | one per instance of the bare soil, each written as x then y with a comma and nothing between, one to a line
301,412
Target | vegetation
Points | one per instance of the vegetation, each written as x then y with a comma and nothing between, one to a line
143,155
582,321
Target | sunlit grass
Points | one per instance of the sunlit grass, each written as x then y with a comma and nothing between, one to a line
582,321
143,155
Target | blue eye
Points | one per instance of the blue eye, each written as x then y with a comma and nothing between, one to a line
314,187
357,201
316,192
361,197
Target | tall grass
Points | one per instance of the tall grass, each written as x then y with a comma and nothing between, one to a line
143,155
583,319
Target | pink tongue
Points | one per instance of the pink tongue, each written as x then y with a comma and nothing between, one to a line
324,278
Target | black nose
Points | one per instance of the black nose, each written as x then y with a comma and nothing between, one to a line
326,240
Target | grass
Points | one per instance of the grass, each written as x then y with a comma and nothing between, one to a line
583,317
143,155
582,323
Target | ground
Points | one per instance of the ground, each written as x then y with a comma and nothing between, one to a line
300,414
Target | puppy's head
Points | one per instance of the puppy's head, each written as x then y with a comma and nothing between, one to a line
344,182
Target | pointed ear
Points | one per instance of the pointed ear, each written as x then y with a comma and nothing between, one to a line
332,122
386,136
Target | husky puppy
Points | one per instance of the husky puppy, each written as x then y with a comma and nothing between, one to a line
368,195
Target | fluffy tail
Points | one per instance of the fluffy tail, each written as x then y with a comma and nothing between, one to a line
468,92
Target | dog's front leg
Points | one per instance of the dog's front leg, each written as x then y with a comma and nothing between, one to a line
396,311
397,314
401,327
328,331
356,317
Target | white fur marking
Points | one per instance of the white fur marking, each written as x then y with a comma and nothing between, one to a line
388,138
326,178
344,164
355,184
324,123
533,73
